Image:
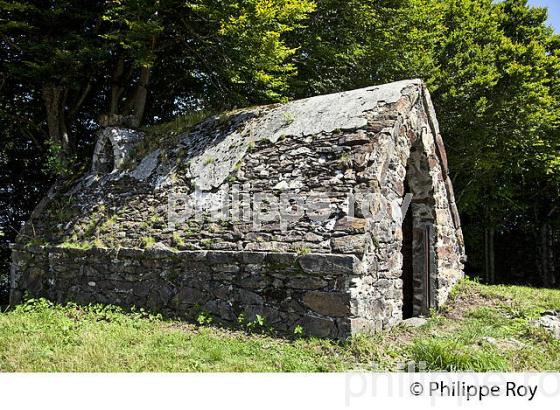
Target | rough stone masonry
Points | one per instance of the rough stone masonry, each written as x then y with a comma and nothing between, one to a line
127,232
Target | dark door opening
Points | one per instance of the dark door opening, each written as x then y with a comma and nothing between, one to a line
106,159
407,266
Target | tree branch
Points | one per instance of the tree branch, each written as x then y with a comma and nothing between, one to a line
80,101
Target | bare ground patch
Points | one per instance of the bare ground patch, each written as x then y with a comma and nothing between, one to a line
466,299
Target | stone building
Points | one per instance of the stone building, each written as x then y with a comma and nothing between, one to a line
334,213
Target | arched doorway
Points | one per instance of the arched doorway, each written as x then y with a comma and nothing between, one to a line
418,269
407,260
104,156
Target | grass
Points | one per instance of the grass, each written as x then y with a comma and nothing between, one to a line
448,354
41,337
165,135
147,242
178,240
483,328
179,124
76,245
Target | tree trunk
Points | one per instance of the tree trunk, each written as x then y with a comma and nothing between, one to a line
54,98
131,111
117,87
551,257
136,102
139,99
489,255
555,245
547,263
486,257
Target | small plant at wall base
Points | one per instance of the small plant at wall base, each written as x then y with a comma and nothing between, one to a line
204,318
298,331
258,325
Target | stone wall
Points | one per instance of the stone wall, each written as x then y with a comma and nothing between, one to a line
316,291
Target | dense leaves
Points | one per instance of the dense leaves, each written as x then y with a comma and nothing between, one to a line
493,69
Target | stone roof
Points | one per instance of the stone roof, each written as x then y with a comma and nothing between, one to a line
340,143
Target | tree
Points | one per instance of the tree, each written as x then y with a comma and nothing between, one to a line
63,63
219,55
132,35
359,43
492,68
527,95
55,49
107,51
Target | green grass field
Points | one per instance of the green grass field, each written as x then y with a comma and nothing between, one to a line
483,328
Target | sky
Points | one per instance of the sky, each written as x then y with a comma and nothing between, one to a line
553,11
